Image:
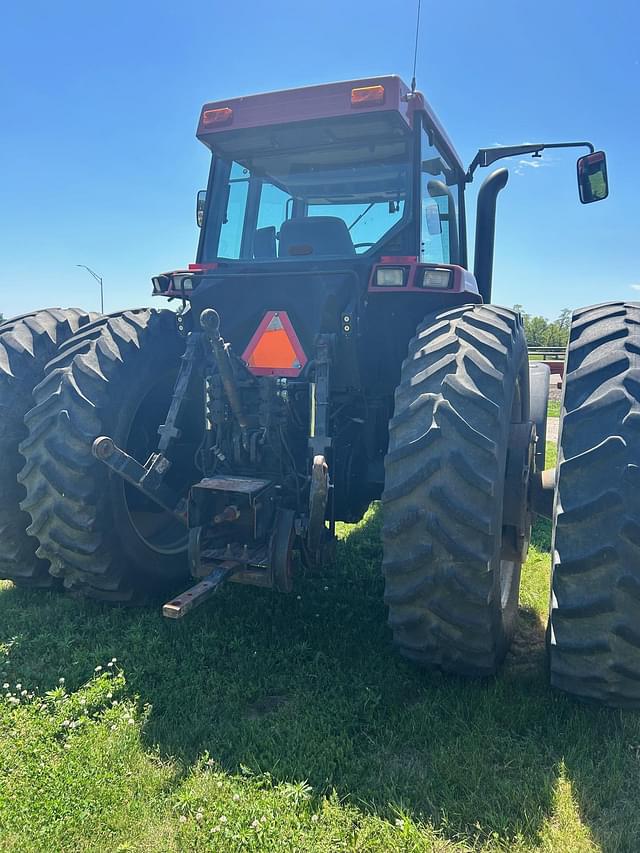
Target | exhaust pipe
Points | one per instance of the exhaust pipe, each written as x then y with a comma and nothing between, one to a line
486,230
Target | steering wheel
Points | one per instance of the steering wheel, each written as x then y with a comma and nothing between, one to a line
360,245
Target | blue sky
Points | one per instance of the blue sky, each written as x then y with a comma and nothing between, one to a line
100,101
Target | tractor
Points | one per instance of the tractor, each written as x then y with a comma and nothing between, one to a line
332,348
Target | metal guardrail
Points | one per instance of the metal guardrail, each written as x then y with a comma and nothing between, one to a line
548,353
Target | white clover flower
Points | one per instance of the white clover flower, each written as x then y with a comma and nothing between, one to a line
114,660
199,816
131,721
236,797
223,819
18,686
183,818
314,818
215,829
83,701
255,824
98,669
14,701
61,681
5,686
299,597
66,723
23,692
110,664
326,589
113,728
109,695
399,822
219,784
263,819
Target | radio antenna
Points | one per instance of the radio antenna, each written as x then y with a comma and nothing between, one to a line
415,52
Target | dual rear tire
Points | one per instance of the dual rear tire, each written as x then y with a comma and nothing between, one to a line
448,502
594,626
97,533
452,572
27,343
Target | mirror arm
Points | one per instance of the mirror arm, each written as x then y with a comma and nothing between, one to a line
487,156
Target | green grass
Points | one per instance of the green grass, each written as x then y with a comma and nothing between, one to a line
553,409
278,723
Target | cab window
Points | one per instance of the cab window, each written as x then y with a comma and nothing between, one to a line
438,215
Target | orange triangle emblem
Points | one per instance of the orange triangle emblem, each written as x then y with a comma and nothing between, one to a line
275,350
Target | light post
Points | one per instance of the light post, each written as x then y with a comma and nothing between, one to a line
98,278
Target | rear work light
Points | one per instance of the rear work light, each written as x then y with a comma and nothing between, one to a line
177,281
222,115
367,96
390,277
437,279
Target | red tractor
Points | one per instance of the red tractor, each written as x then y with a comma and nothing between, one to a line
333,348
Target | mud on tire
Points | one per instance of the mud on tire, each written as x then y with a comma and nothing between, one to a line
594,631
26,345
452,599
102,536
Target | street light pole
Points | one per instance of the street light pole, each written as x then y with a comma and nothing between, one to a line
98,278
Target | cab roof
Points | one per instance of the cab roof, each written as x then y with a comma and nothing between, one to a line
378,94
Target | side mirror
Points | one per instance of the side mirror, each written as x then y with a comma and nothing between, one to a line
593,184
201,206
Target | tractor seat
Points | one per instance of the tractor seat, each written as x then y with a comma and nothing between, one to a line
314,235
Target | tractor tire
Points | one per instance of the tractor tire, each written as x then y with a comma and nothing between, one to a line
27,343
101,535
452,573
594,626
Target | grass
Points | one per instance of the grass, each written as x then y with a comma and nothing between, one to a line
280,723
553,409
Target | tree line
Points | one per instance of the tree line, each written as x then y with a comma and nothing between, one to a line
541,332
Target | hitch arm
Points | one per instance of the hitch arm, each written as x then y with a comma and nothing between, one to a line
195,595
210,323
169,431
146,478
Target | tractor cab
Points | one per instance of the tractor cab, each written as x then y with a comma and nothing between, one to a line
341,208
343,171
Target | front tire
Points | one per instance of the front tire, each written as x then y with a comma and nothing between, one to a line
102,536
594,625
452,574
